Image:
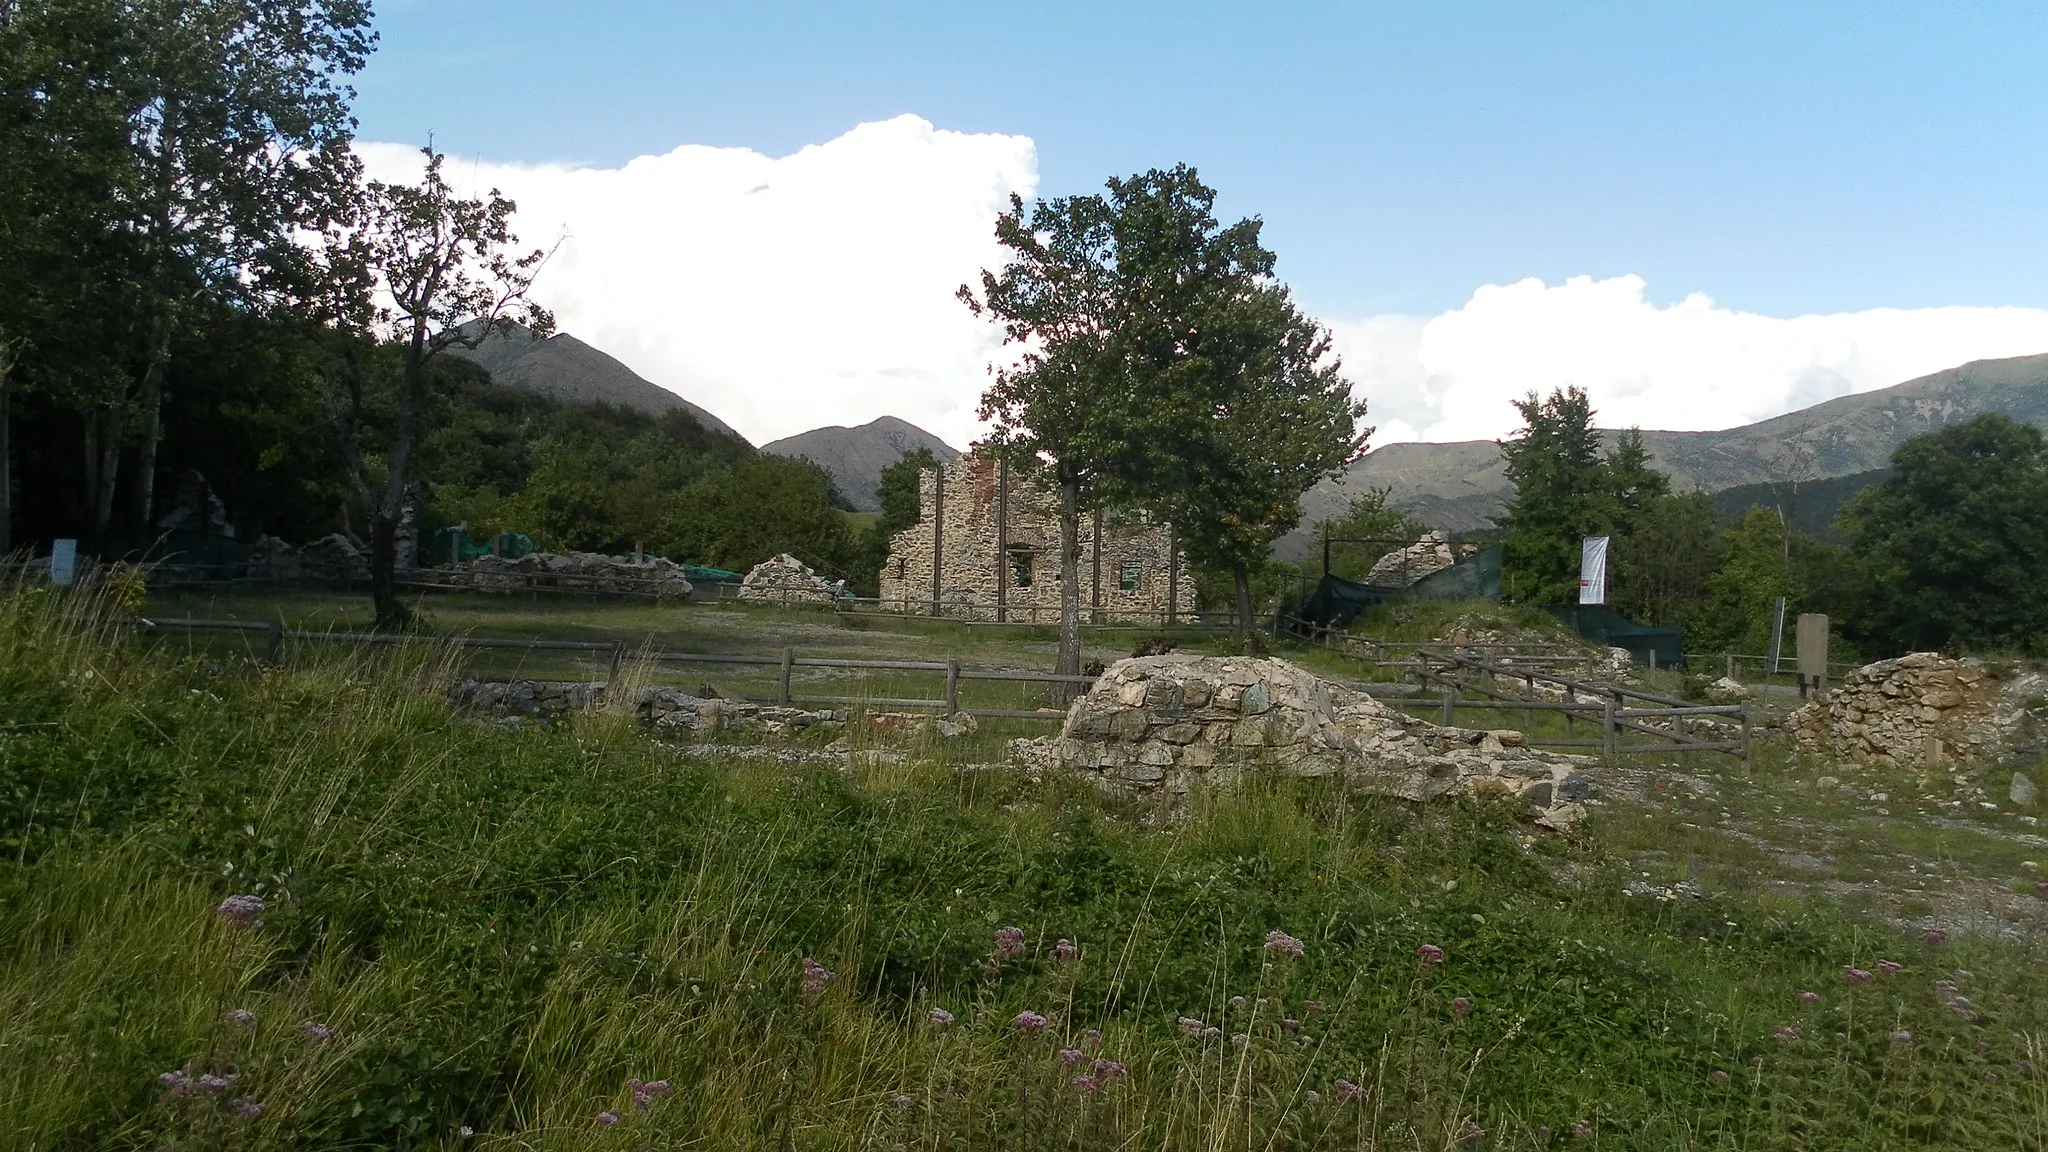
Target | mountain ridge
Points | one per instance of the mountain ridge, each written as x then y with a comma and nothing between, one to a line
1459,486
855,456
565,368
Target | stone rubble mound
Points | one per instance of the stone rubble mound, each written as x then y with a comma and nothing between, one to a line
1404,566
663,707
332,558
1920,709
785,579
1166,724
574,571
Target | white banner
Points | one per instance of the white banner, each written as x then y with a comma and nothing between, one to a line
1593,570
63,562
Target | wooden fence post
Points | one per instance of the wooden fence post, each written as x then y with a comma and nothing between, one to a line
1610,740
782,682
1450,701
1745,733
952,685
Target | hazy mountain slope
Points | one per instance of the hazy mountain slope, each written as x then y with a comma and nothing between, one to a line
855,457
1459,486
1810,505
566,368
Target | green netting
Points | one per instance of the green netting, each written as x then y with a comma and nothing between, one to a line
1603,625
1337,601
699,573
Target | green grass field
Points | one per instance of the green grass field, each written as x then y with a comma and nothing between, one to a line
473,937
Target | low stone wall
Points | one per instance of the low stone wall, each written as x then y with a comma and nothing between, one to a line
788,580
1404,566
1921,709
671,708
1165,724
573,571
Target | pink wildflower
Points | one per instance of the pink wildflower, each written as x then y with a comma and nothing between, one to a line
1430,954
941,1018
1085,1083
1009,944
241,908
1347,1092
1110,1070
1460,1005
1030,1021
608,1118
1064,950
1934,935
1072,1055
815,977
1809,997
1857,976
1889,968
1278,941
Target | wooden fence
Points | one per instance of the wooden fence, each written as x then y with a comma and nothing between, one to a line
275,638
1619,710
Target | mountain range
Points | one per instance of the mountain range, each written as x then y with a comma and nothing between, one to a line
855,457
566,368
1459,487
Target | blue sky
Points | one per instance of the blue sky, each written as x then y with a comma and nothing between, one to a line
1783,159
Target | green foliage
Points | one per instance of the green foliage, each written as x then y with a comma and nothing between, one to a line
500,927
743,513
1660,570
898,491
1366,530
1953,546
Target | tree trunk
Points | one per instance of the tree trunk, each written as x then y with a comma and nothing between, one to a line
1247,635
1070,580
103,461
152,431
383,570
6,453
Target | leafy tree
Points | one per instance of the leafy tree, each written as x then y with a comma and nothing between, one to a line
1366,517
740,515
898,491
1953,547
1565,489
446,268
1661,567
1264,413
1103,296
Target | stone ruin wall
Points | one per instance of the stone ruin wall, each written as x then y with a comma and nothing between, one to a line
971,538
1923,709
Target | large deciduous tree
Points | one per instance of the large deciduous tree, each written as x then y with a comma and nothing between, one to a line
1263,413
1954,545
445,273
1104,296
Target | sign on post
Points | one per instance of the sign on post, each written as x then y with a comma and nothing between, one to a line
1812,650
1593,570
63,562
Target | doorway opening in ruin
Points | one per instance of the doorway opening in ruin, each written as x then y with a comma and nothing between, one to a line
1020,565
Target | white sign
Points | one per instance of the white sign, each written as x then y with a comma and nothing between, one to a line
1593,570
63,562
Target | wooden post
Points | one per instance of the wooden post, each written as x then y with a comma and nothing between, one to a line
1745,733
782,684
1731,666
952,685
1610,741
938,535
274,647
1002,540
1095,588
1172,575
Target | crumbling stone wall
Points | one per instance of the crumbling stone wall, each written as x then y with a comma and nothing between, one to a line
573,571
1404,566
1164,724
785,579
1921,709
996,538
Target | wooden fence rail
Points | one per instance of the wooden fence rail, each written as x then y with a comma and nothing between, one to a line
786,661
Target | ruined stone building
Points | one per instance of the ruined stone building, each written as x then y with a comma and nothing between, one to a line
986,547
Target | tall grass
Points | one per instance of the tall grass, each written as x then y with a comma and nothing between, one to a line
480,938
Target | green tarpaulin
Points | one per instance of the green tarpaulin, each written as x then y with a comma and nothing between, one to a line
1661,646
1337,601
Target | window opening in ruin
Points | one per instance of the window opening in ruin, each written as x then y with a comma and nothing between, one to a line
900,564
1020,563
1132,572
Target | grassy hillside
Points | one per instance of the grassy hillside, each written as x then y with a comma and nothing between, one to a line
475,937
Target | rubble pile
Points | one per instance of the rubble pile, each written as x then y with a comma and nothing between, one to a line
788,580
1166,724
573,571
1922,708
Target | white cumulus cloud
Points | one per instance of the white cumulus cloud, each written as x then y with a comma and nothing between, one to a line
782,293
1691,366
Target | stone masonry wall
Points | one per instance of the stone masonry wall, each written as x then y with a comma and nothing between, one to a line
971,538
1920,709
